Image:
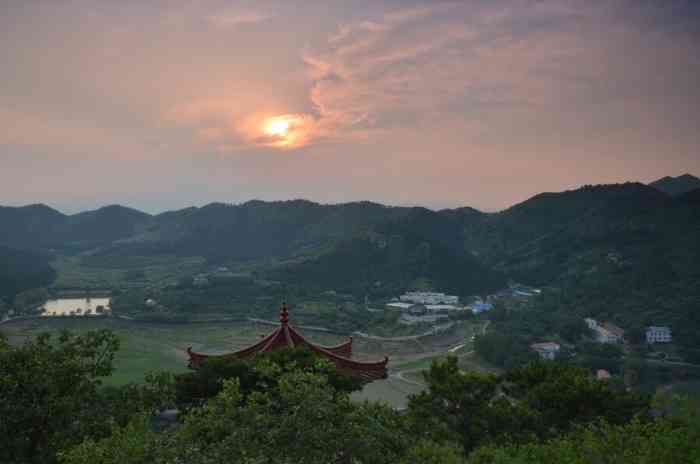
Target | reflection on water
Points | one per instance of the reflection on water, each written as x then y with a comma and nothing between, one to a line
76,306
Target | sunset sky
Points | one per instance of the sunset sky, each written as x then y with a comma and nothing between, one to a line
163,105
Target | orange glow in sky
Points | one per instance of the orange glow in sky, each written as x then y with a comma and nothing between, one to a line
285,131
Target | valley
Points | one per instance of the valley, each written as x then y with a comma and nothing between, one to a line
624,253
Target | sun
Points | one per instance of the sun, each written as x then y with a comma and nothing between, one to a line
277,127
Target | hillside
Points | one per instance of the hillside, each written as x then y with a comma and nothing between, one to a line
39,227
423,248
676,186
22,270
625,233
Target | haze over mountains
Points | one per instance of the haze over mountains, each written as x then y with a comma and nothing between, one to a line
355,245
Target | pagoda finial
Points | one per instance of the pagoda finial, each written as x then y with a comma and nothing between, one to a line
284,314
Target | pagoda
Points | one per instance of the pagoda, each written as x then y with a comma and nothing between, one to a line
286,336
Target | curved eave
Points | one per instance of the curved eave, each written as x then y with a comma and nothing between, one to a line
287,337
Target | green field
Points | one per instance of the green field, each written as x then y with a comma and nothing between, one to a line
147,347
77,272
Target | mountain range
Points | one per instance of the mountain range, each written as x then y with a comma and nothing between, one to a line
355,246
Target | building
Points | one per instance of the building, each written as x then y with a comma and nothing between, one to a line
605,332
480,307
602,374
610,333
591,323
429,298
417,310
546,350
399,305
408,319
658,334
286,336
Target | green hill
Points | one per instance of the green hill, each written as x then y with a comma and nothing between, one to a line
676,186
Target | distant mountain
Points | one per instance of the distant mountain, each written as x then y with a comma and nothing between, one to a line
39,227
538,241
255,230
676,186
420,247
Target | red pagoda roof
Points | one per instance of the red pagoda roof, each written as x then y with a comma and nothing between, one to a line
286,336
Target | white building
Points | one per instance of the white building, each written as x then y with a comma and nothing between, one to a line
605,332
591,323
546,350
429,298
408,319
656,334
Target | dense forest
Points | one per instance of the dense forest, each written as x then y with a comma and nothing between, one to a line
23,270
292,407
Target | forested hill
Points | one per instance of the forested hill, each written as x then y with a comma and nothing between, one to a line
22,270
39,227
549,238
676,186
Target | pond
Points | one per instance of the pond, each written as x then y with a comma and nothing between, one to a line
75,306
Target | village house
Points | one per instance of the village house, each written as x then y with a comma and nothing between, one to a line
546,350
605,332
429,298
658,334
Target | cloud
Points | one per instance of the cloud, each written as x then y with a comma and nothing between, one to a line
479,61
480,67
230,19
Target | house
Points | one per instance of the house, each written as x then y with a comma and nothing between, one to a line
605,332
429,298
591,323
417,310
610,333
546,350
399,305
480,307
602,374
407,319
658,334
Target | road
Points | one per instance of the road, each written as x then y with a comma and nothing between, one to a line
401,375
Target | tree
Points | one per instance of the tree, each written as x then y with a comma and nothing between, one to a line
542,399
259,373
300,419
48,389
658,441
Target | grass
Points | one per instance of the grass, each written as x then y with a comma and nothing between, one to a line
74,272
149,347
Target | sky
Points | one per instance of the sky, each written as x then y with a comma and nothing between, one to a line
161,105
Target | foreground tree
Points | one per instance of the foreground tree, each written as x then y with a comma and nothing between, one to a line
262,372
667,440
301,419
52,398
540,400
49,388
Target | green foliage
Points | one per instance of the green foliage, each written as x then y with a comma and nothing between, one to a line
543,399
504,350
658,441
259,373
48,389
23,270
132,443
428,452
301,419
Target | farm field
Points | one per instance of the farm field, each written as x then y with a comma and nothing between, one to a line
147,347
